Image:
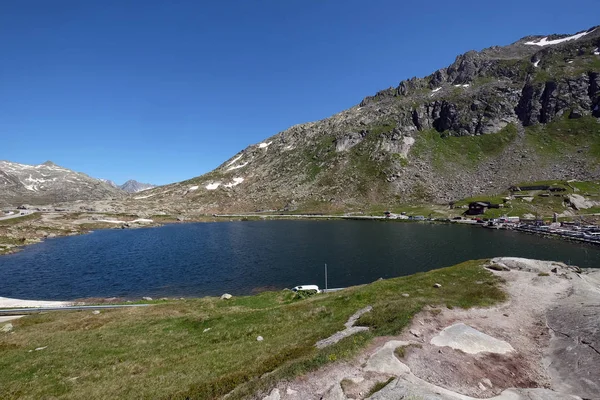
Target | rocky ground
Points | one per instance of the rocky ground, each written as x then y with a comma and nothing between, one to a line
542,344
18,232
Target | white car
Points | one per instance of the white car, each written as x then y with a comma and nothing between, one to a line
306,288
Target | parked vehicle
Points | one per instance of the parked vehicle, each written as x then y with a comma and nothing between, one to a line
306,288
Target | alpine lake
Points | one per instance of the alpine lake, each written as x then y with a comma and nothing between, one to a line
205,259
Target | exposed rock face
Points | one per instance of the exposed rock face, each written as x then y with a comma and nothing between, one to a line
48,183
477,126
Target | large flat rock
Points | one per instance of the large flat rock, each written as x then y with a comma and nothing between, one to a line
574,353
384,361
469,340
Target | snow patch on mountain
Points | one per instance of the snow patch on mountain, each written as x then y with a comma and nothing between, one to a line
236,181
545,42
49,183
234,160
237,166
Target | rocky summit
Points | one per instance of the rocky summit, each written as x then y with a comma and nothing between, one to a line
133,186
49,183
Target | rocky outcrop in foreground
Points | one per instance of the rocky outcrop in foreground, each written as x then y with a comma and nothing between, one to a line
542,344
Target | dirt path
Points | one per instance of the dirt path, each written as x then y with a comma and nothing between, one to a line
544,343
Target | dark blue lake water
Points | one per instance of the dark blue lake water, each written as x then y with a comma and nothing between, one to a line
242,257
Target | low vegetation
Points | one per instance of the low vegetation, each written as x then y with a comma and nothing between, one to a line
206,348
402,350
19,220
566,136
542,203
466,151
378,386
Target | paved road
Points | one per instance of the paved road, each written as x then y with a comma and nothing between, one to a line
299,216
17,214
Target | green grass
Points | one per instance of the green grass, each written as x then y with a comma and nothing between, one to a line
164,351
541,206
565,136
19,220
555,67
378,386
383,128
589,187
465,151
400,351
319,154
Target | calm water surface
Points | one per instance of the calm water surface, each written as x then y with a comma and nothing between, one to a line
242,257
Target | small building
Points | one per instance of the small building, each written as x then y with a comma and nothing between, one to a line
479,207
528,188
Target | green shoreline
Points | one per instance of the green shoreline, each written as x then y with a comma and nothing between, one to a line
207,347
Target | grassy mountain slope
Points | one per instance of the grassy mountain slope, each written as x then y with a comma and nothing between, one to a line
523,112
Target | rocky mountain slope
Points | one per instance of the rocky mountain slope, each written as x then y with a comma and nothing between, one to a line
133,186
48,183
524,112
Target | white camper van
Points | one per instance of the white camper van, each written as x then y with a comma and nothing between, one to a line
306,288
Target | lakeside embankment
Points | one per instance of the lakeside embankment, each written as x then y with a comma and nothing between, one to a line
209,347
447,333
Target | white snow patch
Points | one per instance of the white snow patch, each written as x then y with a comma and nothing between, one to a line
264,145
142,221
570,62
535,64
30,179
465,85
193,188
212,186
434,91
597,52
236,181
234,160
237,166
144,197
545,42
6,302
111,221
289,147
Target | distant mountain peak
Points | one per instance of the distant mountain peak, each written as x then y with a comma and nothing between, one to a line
133,186
48,183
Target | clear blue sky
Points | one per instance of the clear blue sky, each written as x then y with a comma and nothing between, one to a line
162,91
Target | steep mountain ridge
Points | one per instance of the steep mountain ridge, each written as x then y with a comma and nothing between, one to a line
49,183
523,112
